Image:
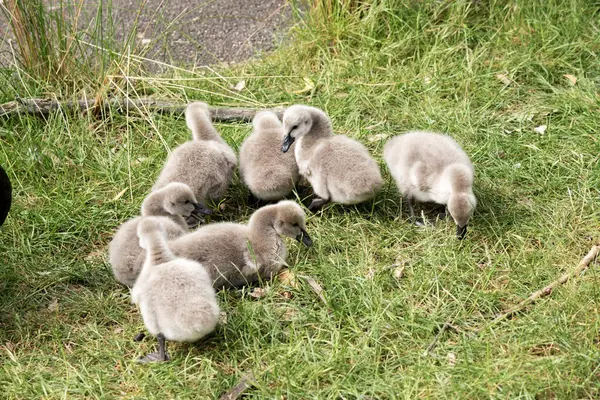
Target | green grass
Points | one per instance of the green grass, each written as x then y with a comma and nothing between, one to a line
66,325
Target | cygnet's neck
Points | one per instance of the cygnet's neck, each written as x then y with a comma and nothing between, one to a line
202,128
460,178
262,228
153,206
321,129
158,251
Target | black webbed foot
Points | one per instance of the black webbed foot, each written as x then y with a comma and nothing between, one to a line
153,357
317,204
159,356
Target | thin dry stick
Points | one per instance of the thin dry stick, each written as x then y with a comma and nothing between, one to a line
583,264
432,345
236,391
46,106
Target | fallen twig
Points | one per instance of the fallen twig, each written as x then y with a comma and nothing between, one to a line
583,264
432,345
315,288
125,104
236,391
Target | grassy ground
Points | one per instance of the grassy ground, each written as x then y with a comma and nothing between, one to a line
487,72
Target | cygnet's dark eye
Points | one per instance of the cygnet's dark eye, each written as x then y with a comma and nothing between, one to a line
187,202
294,127
295,224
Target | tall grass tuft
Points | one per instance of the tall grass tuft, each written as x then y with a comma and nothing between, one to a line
331,17
55,50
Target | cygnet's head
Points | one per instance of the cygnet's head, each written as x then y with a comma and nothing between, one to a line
194,111
180,200
147,227
297,121
461,207
266,121
291,222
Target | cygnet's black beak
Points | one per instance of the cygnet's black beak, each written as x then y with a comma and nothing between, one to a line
201,209
461,231
304,238
287,142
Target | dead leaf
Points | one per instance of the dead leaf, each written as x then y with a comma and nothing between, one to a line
308,86
258,293
451,359
117,330
545,350
53,306
540,129
120,194
288,278
223,318
504,79
378,138
371,127
69,347
240,86
95,255
316,288
289,314
399,272
371,273
571,78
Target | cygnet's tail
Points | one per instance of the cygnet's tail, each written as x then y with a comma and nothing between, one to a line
266,120
152,233
363,184
460,176
197,118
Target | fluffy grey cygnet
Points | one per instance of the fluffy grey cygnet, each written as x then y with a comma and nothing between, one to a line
236,255
268,173
431,167
175,295
171,204
339,169
205,164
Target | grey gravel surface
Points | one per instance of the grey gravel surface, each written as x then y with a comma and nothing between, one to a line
193,32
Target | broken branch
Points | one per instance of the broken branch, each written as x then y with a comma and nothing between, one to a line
432,345
239,389
583,264
125,104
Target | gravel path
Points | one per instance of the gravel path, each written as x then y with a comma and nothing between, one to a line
197,32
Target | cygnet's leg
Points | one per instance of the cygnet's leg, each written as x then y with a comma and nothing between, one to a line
162,347
461,231
442,211
411,210
160,355
255,202
139,337
317,204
